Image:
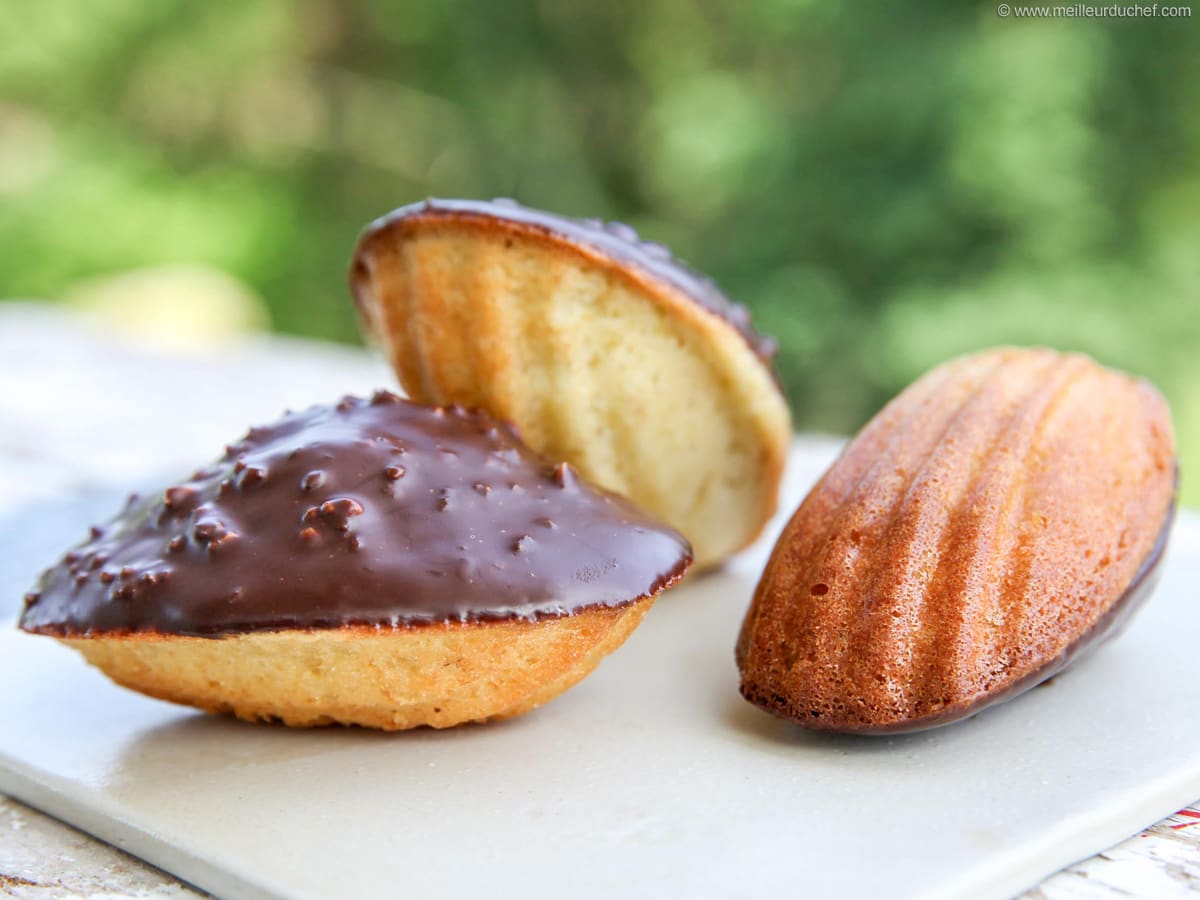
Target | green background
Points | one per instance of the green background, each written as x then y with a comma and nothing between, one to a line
885,185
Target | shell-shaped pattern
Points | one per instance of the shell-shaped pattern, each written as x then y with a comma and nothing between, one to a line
600,348
997,518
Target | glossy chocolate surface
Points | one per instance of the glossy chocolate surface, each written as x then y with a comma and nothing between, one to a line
375,512
615,240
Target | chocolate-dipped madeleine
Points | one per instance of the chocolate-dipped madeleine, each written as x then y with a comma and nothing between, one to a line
603,350
375,563
998,518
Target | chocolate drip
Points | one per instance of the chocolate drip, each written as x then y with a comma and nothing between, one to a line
374,512
613,239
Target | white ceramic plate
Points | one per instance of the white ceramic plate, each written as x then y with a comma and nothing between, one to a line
652,778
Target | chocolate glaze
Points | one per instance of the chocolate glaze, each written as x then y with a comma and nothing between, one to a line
615,240
374,512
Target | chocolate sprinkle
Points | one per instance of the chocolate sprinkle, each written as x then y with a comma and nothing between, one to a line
303,524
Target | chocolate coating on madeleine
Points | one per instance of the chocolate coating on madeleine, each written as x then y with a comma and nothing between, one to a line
615,240
999,518
374,512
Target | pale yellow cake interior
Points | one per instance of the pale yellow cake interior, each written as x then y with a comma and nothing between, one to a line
621,375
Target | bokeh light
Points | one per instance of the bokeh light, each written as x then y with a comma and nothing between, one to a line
884,185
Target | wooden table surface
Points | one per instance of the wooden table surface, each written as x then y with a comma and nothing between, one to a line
85,417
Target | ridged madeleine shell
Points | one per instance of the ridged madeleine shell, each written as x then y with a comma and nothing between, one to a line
1001,515
601,349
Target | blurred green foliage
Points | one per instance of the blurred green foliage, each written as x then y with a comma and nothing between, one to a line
885,185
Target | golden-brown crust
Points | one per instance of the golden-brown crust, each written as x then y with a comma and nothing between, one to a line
597,361
392,679
984,528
